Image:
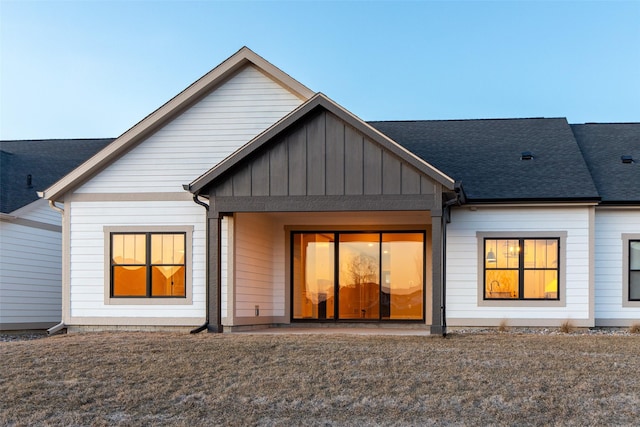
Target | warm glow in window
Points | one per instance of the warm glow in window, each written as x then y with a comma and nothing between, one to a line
377,276
148,265
521,268
634,270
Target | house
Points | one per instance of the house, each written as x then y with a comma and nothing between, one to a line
30,232
249,200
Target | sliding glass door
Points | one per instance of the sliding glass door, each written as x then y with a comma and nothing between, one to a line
377,276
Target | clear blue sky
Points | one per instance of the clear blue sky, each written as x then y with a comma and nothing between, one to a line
76,69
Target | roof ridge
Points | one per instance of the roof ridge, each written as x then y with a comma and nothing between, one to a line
467,120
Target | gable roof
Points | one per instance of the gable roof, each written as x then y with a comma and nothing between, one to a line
319,101
485,155
196,91
45,161
603,145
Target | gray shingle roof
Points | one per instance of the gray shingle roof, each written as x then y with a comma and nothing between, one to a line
602,145
485,155
45,160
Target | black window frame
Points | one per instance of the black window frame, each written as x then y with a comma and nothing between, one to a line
631,270
521,268
148,264
336,273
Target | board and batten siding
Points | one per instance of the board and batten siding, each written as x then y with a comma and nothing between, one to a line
464,287
199,138
611,224
87,258
31,269
324,156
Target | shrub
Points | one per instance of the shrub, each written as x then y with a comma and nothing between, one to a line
503,326
634,328
567,327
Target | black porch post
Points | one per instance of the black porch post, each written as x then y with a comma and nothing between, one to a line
213,299
436,278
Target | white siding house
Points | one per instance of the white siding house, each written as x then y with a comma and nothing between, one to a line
139,190
614,228
465,260
30,268
30,231
190,218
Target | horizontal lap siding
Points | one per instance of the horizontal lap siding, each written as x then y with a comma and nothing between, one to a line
39,211
462,259
200,137
87,256
30,274
610,226
258,264
225,225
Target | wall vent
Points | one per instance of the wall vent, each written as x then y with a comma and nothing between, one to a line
626,159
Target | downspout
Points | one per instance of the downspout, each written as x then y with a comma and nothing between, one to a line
205,325
60,326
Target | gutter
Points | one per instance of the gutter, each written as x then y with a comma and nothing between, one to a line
60,326
205,325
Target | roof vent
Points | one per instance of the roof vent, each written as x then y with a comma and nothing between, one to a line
626,159
29,181
526,155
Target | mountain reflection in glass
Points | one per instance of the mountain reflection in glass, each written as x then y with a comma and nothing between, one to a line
380,276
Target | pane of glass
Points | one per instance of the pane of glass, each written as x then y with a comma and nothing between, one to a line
552,254
167,281
167,249
313,273
501,284
490,253
507,254
540,253
129,281
128,249
359,269
634,285
402,275
634,255
541,284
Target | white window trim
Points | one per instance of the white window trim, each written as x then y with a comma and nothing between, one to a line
626,237
562,279
187,229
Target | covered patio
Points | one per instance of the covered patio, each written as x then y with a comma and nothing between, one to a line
323,219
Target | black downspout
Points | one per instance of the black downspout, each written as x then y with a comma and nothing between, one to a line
206,321
443,309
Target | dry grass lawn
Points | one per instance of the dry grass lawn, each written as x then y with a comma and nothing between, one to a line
243,379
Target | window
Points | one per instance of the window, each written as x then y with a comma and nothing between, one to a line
148,265
521,268
634,270
357,276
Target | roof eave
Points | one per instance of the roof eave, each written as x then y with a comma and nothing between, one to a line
534,201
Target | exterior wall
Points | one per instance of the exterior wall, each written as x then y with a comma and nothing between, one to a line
144,188
611,225
30,268
89,285
259,265
199,138
260,254
464,286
